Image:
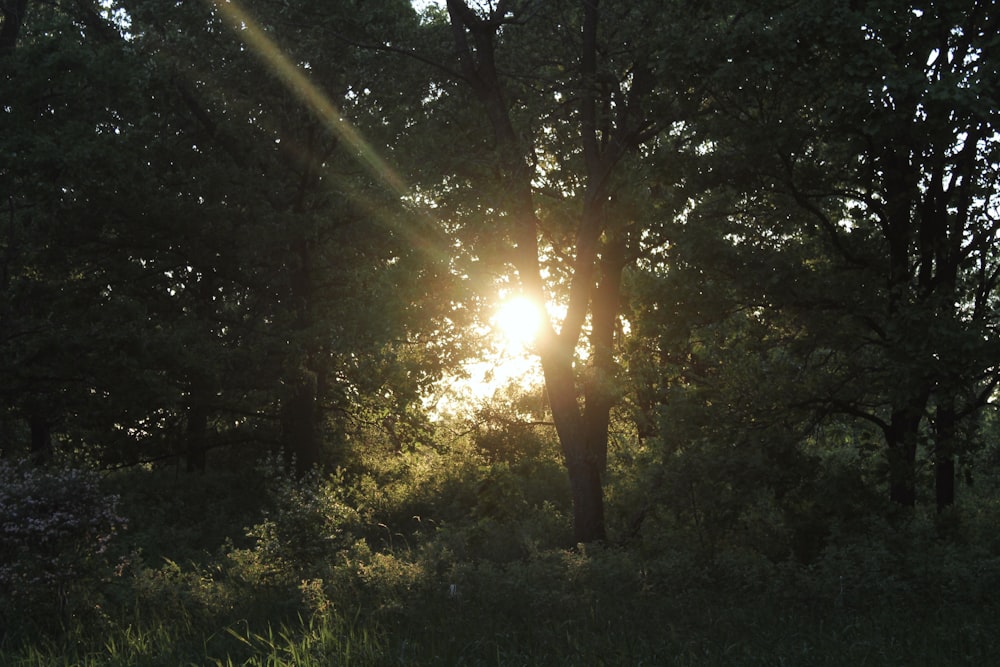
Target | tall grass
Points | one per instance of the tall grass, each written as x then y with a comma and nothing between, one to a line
565,607
385,568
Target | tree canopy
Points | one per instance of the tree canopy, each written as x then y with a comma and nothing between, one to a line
260,226
507,331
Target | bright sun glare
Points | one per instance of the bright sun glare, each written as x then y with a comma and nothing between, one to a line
508,360
517,321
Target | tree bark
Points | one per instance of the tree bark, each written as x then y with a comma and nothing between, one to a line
584,463
944,454
41,440
299,423
599,384
902,434
13,12
595,278
588,501
902,431
197,435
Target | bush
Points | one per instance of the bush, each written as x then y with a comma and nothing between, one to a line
55,528
307,523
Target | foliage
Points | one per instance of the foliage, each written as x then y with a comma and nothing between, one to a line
195,273
244,240
830,213
878,593
56,529
306,523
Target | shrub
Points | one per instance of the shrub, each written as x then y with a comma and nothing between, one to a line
55,528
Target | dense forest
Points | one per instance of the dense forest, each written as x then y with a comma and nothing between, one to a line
499,332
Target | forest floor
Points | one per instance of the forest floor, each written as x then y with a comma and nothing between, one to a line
330,572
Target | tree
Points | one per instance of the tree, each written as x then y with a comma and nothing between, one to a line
197,266
858,133
568,94
59,344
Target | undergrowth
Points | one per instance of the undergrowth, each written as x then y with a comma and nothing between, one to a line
462,557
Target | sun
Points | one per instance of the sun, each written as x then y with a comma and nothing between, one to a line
506,361
517,321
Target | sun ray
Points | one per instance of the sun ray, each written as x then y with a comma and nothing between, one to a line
296,80
419,228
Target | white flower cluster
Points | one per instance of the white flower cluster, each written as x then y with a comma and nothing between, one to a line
54,524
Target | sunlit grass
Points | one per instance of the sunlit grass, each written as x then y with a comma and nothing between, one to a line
543,613
457,559
326,639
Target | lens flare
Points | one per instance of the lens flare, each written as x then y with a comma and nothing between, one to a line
517,320
297,82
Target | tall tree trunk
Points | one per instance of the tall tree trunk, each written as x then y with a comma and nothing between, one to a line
41,440
583,461
302,413
13,12
583,430
902,434
201,386
944,453
605,136
599,387
197,436
299,423
902,431
588,500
